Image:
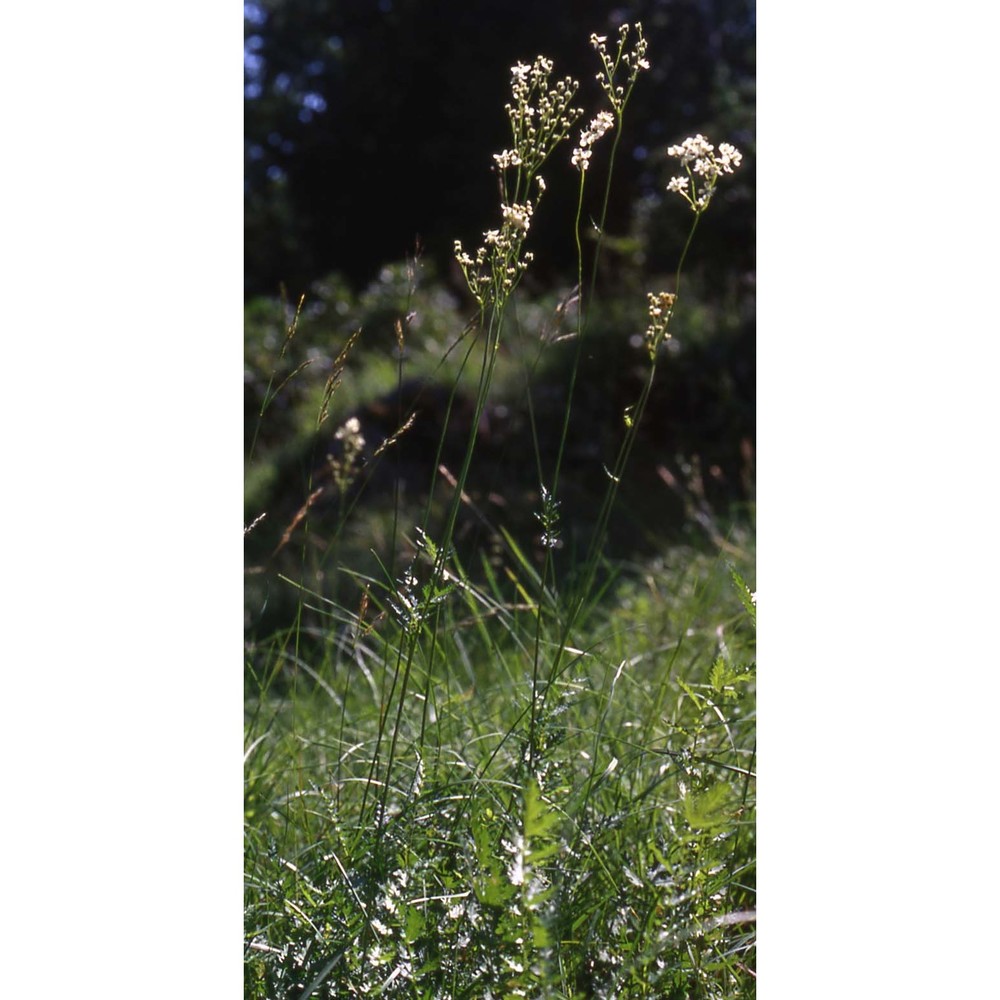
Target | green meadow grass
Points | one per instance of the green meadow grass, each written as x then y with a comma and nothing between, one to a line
466,839
491,763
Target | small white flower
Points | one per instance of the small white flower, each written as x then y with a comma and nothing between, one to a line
519,216
542,67
597,128
350,429
691,149
461,256
601,124
508,158
520,72
729,157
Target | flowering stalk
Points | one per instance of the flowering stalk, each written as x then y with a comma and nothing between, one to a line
701,161
634,61
661,306
541,115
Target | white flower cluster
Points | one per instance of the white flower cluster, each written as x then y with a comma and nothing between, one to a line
345,466
498,263
351,432
507,159
597,128
701,153
540,114
701,160
633,60
661,305
519,216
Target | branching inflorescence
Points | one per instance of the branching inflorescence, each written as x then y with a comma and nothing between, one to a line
541,115
703,166
634,60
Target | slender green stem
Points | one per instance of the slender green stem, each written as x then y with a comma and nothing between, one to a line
611,495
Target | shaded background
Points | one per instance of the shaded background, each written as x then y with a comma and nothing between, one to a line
371,123
369,131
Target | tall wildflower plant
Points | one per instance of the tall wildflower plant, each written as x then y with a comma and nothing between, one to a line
620,69
703,166
541,115
621,65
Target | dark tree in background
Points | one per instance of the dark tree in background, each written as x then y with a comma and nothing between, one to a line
370,125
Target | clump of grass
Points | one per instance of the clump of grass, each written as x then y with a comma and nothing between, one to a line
503,779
